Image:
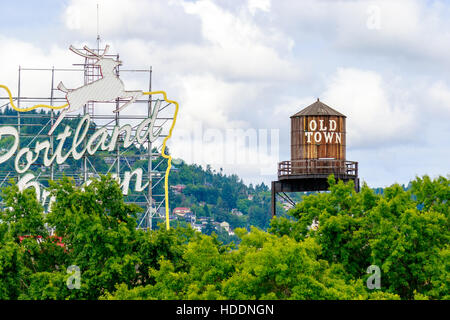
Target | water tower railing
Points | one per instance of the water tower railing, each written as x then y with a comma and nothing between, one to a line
318,166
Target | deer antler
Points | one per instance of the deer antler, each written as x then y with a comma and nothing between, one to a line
78,52
106,50
96,54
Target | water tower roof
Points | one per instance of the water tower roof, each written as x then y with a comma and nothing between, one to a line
318,108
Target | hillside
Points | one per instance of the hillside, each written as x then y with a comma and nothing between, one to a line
211,196
219,198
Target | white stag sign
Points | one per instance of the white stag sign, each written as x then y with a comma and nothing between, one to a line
109,87
106,89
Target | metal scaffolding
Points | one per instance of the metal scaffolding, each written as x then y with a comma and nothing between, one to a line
146,155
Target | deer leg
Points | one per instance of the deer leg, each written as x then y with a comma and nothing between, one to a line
133,95
58,121
62,87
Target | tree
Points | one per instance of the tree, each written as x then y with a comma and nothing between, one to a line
282,268
258,217
12,269
205,268
243,205
98,231
357,230
411,244
23,213
228,196
321,252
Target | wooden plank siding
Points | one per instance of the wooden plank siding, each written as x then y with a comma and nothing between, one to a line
315,153
301,149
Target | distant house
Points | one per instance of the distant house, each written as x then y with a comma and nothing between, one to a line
178,189
250,197
181,211
197,227
202,220
314,225
109,160
236,212
63,167
141,157
128,160
225,225
189,217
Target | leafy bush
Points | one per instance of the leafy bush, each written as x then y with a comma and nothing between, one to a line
322,253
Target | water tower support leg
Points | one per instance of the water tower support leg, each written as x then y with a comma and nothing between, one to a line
273,199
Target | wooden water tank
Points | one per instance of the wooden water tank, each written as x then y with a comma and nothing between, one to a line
318,132
317,151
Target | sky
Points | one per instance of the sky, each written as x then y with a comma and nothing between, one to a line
240,69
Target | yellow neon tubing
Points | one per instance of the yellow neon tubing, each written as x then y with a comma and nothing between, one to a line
11,102
169,157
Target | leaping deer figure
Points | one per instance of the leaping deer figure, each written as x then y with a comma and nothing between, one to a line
109,87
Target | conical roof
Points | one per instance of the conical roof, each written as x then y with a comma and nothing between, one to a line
318,108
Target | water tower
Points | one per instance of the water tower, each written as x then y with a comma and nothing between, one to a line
317,150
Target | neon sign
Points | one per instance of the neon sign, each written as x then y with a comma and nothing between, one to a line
108,88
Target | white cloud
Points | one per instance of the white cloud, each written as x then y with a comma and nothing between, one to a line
403,27
26,55
291,105
253,153
253,63
439,94
161,20
411,28
211,100
376,114
239,48
255,5
232,49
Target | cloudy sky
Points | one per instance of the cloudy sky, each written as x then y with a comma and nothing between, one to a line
244,67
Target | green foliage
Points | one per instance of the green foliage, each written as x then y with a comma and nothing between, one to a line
404,232
12,270
321,252
24,213
273,267
220,194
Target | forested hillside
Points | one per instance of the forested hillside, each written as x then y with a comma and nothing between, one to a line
212,194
